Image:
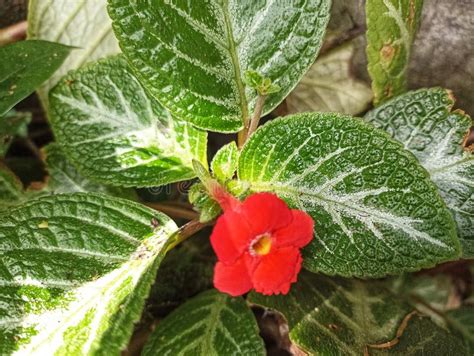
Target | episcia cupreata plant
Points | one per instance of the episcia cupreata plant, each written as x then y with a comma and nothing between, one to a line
343,200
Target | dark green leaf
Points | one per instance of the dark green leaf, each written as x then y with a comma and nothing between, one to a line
193,55
116,133
461,321
335,316
24,66
423,337
210,324
13,124
11,189
375,210
422,120
391,28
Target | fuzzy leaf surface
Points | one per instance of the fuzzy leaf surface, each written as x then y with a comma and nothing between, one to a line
375,210
75,270
224,163
65,178
116,133
11,189
211,323
423,121
24,66
82,24
193,55
391,28
335,316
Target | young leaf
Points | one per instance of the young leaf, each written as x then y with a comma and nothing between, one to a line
114,132
329,86
199,198
193,55
335,316
375,210
391,28
224,163
82,24
210,324
11,189
64,177
24,66
75,271
12,124
423,121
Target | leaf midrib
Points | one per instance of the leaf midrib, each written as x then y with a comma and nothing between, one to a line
235,62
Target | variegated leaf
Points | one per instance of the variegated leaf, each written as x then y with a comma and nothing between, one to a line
391,28
75,271
116,133
83,24
224,163
210,324
64,177
375,210
192,54
422,120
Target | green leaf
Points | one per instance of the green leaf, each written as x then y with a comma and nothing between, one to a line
75,271
208,208
461,321
24,66
11,189
114,132
64,177
186,271
423,121
12,124
210,324
375,210
82,24
391,28
335,316
192,56
329,86
224,163
423,337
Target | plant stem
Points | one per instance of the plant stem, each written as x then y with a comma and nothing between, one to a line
242,135
13,33
174,210
257,113
188,230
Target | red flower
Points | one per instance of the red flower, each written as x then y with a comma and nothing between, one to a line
257,243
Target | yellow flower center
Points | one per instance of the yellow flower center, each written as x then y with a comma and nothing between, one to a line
262,245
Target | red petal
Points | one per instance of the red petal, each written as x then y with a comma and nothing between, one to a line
298,233
266,212
233,279
277,271
231,236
